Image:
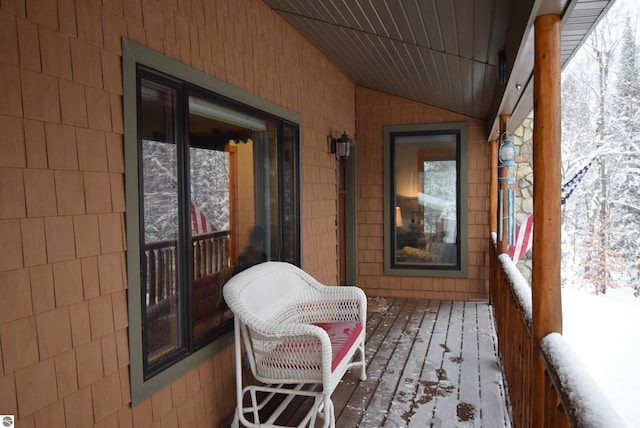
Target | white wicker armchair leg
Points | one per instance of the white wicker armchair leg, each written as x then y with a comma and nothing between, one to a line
363,366
238,359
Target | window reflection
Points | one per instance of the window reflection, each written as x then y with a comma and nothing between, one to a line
218,192
426,200
160,220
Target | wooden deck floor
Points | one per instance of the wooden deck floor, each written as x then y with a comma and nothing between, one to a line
430,364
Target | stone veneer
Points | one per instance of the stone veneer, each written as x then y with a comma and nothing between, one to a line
522,139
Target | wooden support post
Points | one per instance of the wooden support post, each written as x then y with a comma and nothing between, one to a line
503,185
493,222
547,304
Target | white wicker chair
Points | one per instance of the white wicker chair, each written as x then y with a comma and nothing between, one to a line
297,334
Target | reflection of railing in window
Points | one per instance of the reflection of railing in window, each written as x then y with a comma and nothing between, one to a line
211,265
211,254
161,270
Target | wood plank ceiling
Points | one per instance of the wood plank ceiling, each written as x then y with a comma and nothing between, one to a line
444,53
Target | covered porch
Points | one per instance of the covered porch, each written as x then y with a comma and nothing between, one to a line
72,351
433,363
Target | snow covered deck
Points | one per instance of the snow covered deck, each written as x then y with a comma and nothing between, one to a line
430,364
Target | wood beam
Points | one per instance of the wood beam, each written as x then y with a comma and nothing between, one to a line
545,284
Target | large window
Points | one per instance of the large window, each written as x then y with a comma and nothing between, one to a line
425,183
212,189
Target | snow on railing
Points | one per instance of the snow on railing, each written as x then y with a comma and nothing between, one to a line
586,406
584,403
521,288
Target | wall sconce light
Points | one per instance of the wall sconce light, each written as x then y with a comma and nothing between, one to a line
341,146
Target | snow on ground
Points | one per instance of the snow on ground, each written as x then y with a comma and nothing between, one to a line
604,331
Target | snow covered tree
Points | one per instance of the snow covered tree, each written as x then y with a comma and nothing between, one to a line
602,273
625,198
601,45
626,108
602,84
578,144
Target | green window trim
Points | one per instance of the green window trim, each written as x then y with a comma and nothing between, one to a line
133,55
460,269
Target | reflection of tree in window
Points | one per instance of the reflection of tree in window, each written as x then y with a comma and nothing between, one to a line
209,188
423,205
210,185
160,190
439,194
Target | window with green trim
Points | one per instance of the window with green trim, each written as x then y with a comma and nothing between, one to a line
217,195
213,187
425,182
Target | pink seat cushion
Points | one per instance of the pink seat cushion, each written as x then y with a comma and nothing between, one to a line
342,336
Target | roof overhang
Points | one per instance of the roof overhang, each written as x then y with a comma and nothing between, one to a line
579,18
448,53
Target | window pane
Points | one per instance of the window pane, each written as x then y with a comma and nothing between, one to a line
159,164
426,200
210,211
258,200
232,173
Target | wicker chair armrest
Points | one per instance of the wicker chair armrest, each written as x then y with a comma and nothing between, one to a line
282,331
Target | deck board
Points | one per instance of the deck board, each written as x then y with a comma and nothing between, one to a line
386,388
492,393
379,356
407,388
430,364
469,378
429,383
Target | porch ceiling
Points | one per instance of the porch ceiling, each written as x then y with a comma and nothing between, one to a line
444,53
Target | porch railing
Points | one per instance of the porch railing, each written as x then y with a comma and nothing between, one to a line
571,397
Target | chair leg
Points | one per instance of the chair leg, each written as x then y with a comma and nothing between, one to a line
363,367
238,367
235,423
326,413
